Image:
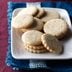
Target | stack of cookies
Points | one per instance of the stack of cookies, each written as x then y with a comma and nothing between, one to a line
40,30
32,41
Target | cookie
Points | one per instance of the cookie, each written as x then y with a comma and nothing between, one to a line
34,50
51,43
40,13
37,25
56,27
23,21
32,37
50,15
32,10
35,47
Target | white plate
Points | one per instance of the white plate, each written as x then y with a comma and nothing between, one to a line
17,48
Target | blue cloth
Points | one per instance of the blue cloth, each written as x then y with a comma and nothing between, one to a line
54,65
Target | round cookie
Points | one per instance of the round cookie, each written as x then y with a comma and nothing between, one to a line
51,44
23,21
40,13
32,10
35,51
56,27
50,15
32,37
38,47
37,25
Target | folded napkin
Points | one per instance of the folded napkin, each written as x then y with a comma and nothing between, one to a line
35,64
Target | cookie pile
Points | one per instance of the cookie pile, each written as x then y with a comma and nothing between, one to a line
32,41
40,29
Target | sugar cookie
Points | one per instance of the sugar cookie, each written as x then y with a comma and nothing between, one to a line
50,15
51,43
56,27
32,37
35,51
37,25
35,47
32,10
23,21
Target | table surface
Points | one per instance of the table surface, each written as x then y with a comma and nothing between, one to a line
4,34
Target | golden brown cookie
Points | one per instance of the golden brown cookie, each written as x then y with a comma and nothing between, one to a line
56,27
50,15
35,47
35,50
32,37
32,10
22,21
37,25
51,43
